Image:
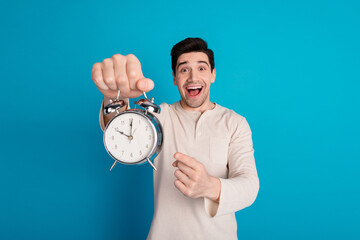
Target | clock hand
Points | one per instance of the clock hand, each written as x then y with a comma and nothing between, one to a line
131,124
122,133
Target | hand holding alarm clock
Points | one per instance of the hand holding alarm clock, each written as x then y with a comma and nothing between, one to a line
120,73
133,136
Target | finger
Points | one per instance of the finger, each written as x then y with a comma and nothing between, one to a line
186,170
133,70
182,177
179,185
109,75
189,161
121,78
97,76
145,84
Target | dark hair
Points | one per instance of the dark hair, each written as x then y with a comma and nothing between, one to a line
191,45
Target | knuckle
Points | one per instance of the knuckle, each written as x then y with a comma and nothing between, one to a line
121,79
196,178
133,74
107,61
109,80
189,192
118,59
131,56
117,56
97,80
96,66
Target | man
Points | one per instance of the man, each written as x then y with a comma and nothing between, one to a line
206,169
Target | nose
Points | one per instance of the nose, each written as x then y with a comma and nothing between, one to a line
194,75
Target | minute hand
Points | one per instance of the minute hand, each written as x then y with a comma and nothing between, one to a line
131,124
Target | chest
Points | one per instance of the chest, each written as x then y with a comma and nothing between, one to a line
205,139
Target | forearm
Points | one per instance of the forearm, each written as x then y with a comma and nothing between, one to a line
235,193
238,192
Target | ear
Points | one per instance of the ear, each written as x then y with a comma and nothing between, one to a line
213,76
174,79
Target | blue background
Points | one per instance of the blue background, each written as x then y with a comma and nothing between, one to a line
290,67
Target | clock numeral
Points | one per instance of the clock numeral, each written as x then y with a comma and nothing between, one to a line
112,137
139,121
115,146
122,122
131,154
149,137
147,145
122,152
140,152
146,128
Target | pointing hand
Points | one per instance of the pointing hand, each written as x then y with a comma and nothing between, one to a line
193,180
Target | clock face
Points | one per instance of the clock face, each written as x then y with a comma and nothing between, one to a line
130,137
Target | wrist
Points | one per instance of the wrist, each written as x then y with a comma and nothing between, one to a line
215,189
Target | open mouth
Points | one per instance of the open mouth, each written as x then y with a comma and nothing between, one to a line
194,91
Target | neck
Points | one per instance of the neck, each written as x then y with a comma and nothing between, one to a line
207,105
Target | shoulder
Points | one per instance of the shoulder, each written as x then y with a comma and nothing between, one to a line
165,107
165,111
234,122
229,115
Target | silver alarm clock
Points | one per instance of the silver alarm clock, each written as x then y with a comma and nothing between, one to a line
133,136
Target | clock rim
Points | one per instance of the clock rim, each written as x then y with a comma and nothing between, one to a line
155,140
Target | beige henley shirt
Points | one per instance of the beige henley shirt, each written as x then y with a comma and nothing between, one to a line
221,140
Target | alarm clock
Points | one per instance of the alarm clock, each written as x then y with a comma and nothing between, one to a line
133,136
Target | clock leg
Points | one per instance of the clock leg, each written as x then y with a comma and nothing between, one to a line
153,166
113,165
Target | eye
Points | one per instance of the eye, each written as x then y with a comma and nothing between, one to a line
184,70
202,68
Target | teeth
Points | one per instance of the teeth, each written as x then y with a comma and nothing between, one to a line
193,87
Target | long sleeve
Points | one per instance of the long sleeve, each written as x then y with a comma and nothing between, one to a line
101,116
240,189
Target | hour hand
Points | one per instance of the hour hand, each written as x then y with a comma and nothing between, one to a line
122,133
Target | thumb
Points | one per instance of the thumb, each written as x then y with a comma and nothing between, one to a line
145,84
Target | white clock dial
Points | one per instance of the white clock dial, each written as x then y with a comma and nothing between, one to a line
130,137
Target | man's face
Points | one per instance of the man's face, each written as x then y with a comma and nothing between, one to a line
193,78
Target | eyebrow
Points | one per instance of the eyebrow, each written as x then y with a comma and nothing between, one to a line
182,63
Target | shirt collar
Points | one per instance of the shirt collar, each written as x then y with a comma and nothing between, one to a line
196,113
